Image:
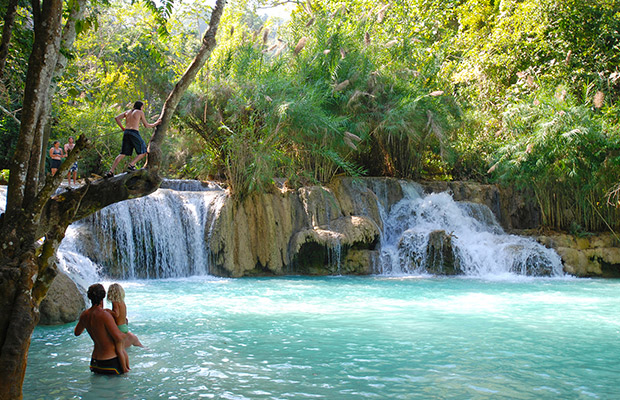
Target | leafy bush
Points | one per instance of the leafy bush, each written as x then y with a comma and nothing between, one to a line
566,153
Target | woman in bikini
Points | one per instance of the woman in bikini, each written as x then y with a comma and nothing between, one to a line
116,295
56,154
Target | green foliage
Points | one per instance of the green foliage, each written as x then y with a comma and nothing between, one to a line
567,154
125,59
322,99
421,89
14,81
573,43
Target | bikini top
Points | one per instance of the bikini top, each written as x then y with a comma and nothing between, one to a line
57,151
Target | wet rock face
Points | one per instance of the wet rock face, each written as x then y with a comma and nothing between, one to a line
347,246
440,256
313,230
433,253
63,304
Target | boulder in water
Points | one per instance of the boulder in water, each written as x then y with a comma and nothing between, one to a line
440,256
63,303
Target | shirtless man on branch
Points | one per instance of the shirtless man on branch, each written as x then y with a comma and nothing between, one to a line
131,137
104,332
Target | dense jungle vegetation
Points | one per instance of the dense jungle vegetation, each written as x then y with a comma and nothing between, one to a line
517,92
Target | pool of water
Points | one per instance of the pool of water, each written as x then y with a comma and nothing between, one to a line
349,338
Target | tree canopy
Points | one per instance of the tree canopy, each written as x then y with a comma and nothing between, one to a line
415,89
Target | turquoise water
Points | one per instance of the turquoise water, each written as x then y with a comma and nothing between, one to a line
350,338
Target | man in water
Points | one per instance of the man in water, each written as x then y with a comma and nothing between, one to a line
105,334
131,137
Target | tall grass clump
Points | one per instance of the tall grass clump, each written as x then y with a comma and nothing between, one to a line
330,93
567,154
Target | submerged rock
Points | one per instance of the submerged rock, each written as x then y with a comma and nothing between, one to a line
63,303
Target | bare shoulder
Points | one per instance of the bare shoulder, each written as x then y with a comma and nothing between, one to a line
85,313
107,314
122,115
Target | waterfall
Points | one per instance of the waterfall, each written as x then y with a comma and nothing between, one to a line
3,190
162,235
166,234
433,233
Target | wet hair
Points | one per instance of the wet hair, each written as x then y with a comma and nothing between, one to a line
138,105
116,293
96,293
55,141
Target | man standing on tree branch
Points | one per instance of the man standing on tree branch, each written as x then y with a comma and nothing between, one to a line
131,137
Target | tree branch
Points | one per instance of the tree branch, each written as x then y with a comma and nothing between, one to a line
73,205
10,114
170,106
280,3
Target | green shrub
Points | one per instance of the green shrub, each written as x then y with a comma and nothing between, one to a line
567,154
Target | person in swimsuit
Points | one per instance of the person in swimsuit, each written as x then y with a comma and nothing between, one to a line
56,155
105,334
116,295
131,137
73,170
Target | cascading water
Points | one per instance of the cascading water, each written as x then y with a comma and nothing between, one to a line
433,233
162,235
167,234
2,198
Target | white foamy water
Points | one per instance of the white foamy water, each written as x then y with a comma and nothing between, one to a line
166,235
162,235
480,246
2,198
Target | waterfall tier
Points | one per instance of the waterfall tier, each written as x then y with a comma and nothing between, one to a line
359,226
433,233
163,235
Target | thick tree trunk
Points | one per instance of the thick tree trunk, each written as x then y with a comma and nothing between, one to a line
41,65
7,32
23,317
27,269
69,33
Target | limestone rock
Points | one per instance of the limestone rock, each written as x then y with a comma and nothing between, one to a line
360,262
440,255
310,230
63,303
592,256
